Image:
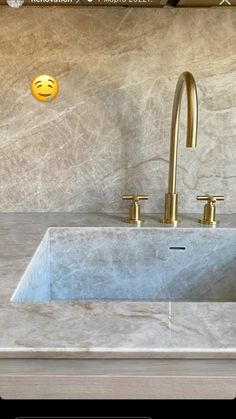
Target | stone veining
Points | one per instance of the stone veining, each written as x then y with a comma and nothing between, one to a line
108,131
140,264
106,329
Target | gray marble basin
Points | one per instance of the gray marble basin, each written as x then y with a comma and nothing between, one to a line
150,264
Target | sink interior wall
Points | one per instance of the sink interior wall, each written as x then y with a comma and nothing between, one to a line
132,264
35,284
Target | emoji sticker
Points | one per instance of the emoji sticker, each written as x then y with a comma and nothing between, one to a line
44,88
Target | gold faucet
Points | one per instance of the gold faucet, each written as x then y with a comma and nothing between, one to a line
134,209
209,215
171,197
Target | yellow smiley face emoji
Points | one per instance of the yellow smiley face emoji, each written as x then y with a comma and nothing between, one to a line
44,88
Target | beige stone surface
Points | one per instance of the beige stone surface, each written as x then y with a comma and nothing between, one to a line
108,130
106,329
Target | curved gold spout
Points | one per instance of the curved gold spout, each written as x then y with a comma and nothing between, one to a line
171,198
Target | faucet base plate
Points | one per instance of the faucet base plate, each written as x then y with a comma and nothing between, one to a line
174,223
213,223
134,222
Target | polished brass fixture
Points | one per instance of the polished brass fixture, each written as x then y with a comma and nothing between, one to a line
209,216
134,209
171,198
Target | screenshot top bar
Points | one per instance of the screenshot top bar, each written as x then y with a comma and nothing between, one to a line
126,3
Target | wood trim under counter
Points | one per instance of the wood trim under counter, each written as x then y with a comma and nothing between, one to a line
117,379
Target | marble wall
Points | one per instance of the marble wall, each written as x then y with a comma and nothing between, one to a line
108,130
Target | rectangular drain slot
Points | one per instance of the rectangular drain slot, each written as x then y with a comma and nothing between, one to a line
177,248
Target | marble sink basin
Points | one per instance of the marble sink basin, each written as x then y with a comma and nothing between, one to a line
137,264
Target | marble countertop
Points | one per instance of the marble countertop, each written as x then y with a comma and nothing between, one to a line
103,329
